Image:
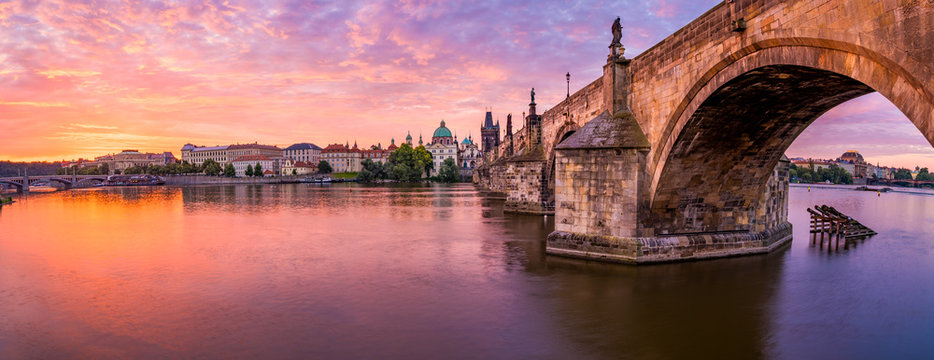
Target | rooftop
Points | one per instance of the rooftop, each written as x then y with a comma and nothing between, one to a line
303,146
442,131
252,146
208,148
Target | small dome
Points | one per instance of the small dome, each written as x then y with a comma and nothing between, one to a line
442,131
408,137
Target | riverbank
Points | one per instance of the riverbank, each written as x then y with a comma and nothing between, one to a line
223,180
893,189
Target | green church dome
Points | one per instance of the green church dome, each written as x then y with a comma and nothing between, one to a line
442,131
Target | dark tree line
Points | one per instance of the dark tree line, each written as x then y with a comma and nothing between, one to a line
9,168
833,173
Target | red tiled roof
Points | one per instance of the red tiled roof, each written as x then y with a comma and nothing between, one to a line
333,148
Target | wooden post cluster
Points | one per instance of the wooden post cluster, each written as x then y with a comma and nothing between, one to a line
836,226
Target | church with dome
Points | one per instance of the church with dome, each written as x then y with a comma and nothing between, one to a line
444,146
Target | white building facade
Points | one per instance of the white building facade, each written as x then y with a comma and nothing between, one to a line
304,152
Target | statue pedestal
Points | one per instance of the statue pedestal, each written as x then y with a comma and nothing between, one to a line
616,53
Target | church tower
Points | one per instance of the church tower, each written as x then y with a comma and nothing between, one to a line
489,133
508,138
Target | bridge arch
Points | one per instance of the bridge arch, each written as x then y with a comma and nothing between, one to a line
98,179
18,186
563,133
66,183
720,145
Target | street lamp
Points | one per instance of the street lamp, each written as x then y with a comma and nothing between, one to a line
567,101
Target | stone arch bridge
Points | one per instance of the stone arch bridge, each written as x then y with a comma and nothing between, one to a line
678,153
22,183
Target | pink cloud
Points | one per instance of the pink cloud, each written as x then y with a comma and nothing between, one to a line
155,75
664,9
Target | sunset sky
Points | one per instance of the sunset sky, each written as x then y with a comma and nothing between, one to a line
86,78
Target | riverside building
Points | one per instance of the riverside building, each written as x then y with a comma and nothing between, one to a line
305,152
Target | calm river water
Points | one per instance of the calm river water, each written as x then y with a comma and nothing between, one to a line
345,271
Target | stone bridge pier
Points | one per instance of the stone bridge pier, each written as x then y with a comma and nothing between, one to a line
678,153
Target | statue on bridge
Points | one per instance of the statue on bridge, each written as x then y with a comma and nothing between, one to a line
533,95
616,47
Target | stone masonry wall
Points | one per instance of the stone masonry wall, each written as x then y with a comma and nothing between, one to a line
774,208
524,186
492,176
582,106
597,191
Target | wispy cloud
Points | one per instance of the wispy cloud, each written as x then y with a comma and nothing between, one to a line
82,77
92,126
33,104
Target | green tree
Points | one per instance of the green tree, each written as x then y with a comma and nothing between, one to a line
249,170
258,170
294,172
807,177
407,164
105,169
423,158
374,168
365,175
902,174
211,167
924,175
230,171
387,170
449,172
405,173
187,168
324,167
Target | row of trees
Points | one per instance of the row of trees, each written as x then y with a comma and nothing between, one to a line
407,164
183,167
102,169
905,174
833,173
209,167
253,170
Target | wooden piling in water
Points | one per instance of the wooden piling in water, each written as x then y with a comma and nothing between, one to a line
837,226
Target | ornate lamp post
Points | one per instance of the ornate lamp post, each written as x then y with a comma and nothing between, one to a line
567,101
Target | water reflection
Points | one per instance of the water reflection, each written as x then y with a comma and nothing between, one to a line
347,271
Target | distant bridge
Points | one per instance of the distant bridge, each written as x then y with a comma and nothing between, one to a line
901,182
22,183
